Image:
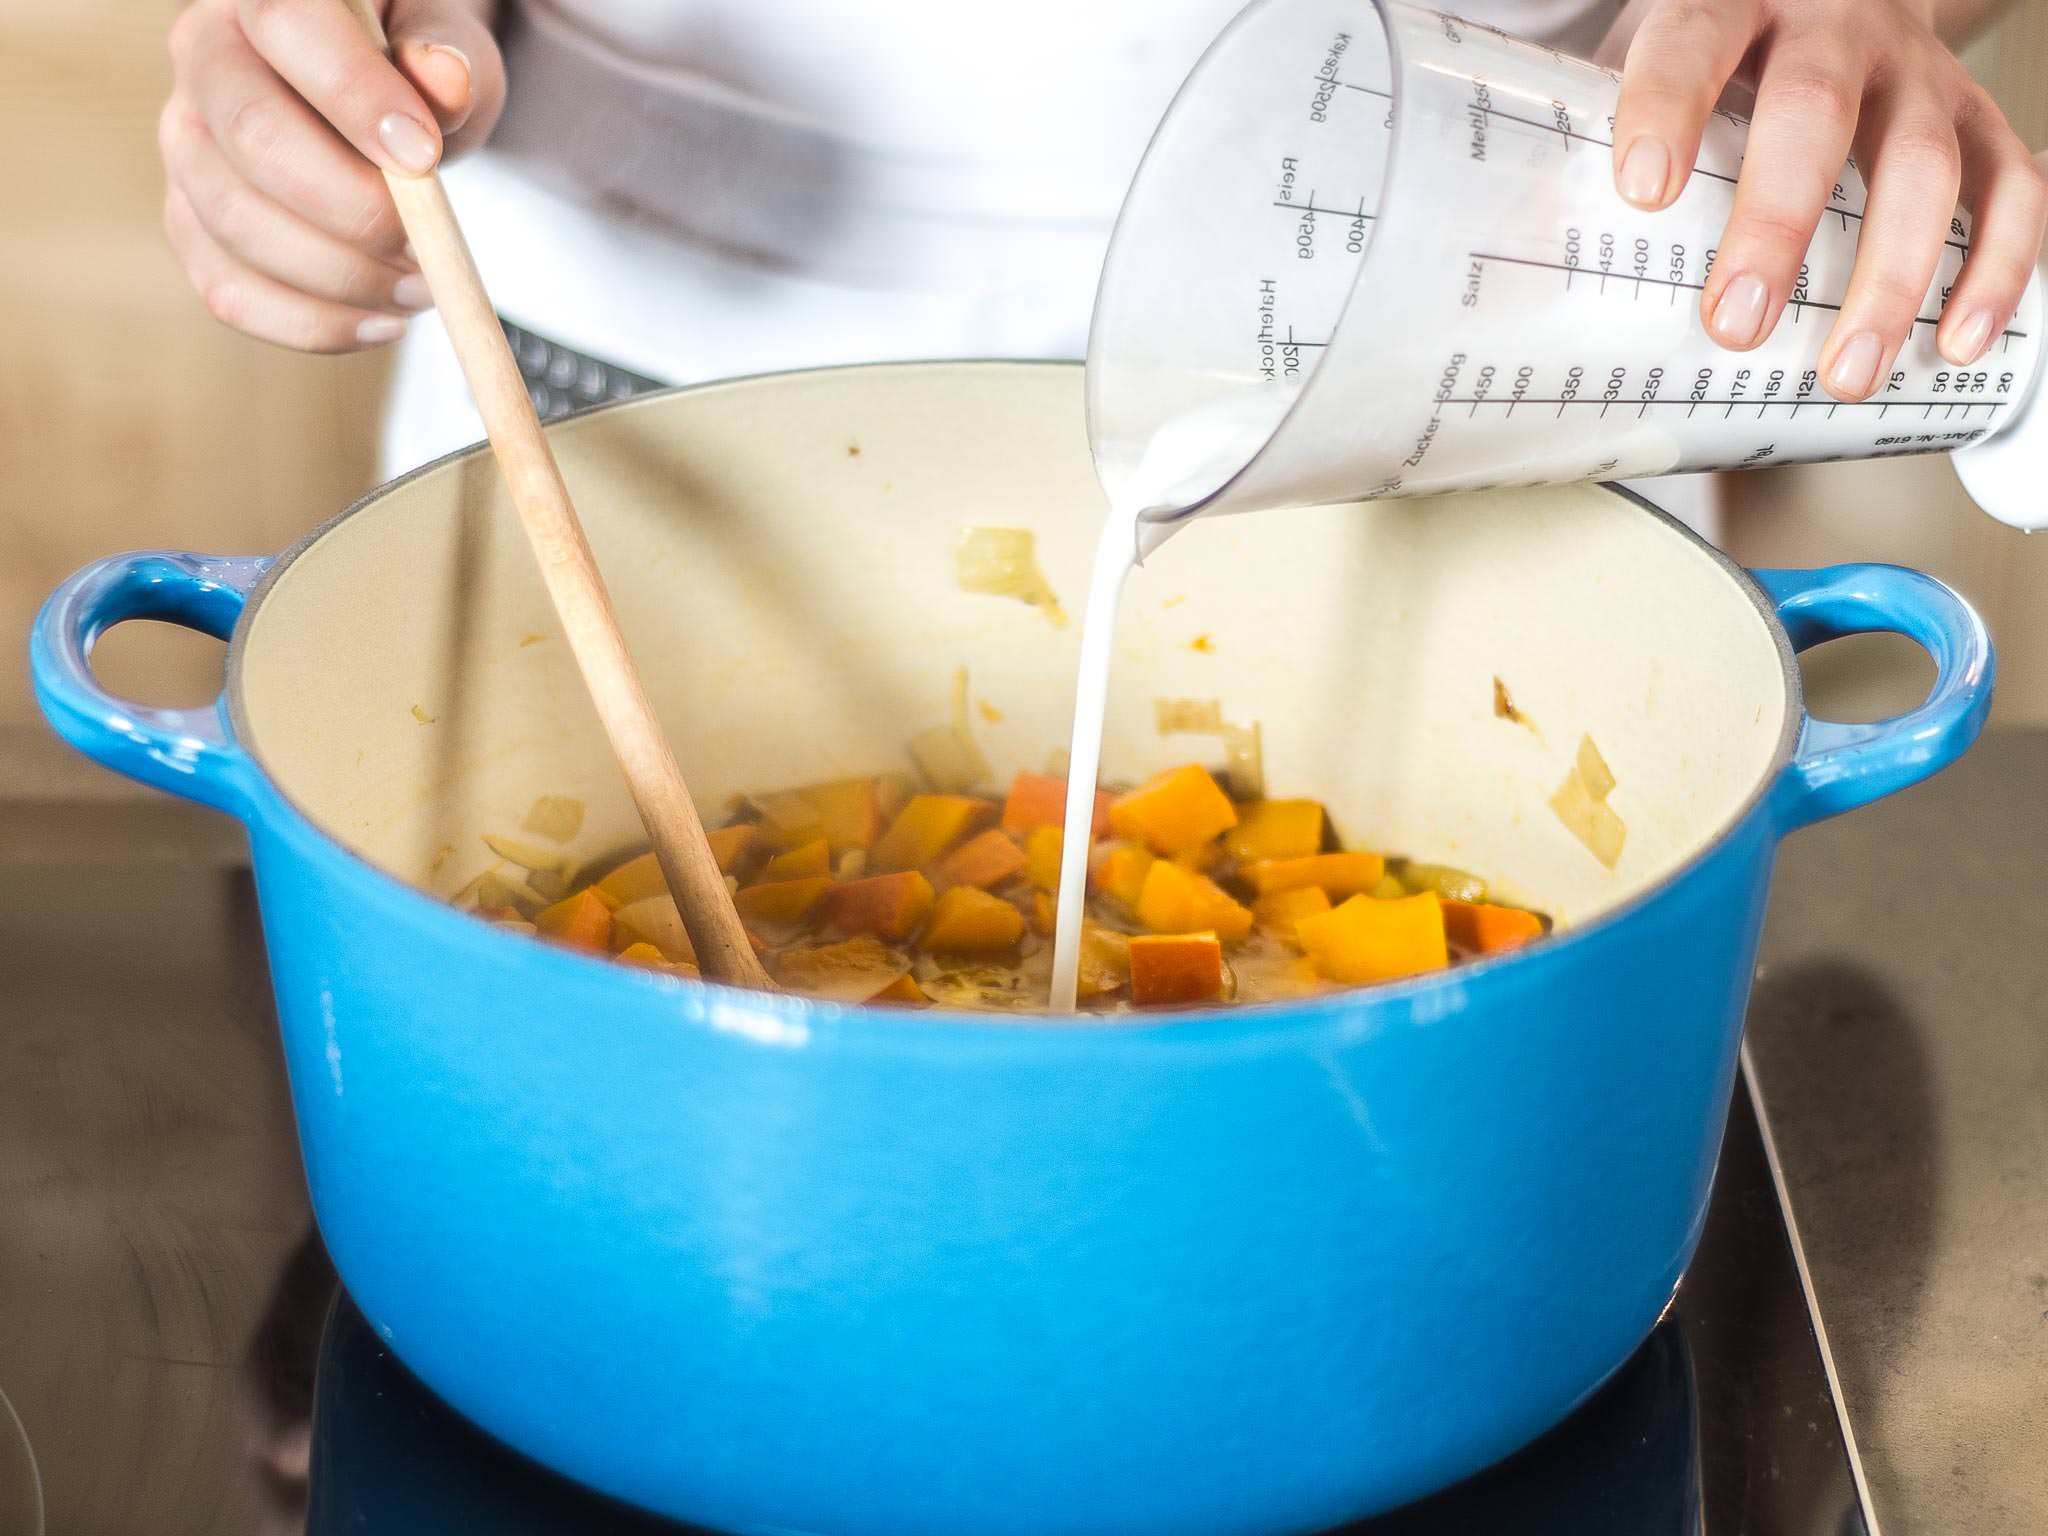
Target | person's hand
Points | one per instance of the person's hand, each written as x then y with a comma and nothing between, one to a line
281,114
1832,77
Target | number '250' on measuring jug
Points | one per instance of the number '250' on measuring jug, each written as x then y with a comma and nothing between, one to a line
1375,251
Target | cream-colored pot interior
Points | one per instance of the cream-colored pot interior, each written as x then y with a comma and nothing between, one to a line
782,555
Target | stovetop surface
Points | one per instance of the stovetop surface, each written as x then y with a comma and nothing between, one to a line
187,1362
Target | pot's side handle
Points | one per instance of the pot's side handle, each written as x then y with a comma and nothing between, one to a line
1839,766
185,751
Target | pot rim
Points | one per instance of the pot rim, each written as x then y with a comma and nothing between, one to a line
1188,1024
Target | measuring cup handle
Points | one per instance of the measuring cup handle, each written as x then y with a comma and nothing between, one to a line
186,752
1838,766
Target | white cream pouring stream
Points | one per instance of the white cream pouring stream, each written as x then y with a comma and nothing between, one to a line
1186,459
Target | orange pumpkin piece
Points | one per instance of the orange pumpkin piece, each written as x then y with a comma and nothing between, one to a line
904,989
851,971
582,919
1039,800
924,829
1486,929
731,844
1042,857
644,954
634,880
1176,968
849,812
1044,914
1180,809
1367,940
1176,900
889,906
1339,874
1275,829
804,862
639,878
967,921
787,818
1121,872
653,921
1283,910
782,901
982,860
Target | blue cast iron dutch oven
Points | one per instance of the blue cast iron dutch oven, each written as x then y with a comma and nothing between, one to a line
771,1265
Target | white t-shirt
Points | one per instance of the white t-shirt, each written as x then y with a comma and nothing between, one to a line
700,189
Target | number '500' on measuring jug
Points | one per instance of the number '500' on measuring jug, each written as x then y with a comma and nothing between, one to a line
1377,251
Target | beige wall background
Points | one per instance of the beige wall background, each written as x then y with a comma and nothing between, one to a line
128,418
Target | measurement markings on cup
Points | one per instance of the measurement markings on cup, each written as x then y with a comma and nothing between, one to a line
1795,303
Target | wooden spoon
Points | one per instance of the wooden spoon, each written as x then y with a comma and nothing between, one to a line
566,565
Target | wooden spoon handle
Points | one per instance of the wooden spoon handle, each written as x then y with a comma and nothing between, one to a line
570,572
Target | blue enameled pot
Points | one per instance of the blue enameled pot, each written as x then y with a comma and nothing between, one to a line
770,1265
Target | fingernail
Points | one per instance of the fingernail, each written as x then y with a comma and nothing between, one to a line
380,328
409,144
411,292
1972,337
1740,313
410,254
454,53
1855,372
1644,170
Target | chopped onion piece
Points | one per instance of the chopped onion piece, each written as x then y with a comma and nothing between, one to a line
1593,822
1593,769
1191,716
1003,562
555,817
528,856
947,755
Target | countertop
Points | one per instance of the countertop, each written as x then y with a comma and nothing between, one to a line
1894,1040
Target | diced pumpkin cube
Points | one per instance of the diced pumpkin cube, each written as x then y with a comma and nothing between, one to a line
889,906
1175,811
849,811
582,919
804,862
969,921
851,971
1044,912
1105,960
1367,940
1283,910
652,921
787,818
1042,848
1121,872
1038,800
1275,829
1201,858
1176,900
639,878
1176,968
983,860
924,829
731,844
635,880
782,901
644,954
903,990
1339,874
1486,928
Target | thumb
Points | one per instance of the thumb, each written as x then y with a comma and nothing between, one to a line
446,51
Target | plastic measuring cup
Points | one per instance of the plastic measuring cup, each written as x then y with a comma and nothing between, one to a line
1378,251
